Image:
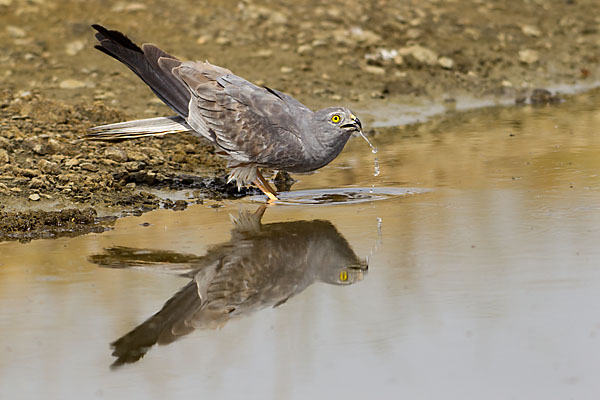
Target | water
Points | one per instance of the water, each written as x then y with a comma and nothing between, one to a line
481,238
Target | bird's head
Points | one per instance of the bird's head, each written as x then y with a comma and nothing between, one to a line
338,120
330,130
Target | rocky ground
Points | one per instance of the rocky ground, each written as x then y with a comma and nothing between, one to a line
55,86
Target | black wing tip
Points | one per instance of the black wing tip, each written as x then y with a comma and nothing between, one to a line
115,37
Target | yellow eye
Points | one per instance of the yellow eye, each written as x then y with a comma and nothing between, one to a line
343,274
335,118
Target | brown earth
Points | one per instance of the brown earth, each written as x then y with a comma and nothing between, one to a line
55,85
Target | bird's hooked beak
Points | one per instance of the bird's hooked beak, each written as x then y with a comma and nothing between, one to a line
353,125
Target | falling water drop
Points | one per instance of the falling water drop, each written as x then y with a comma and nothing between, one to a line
374,150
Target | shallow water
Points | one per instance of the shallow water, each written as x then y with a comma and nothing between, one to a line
481,236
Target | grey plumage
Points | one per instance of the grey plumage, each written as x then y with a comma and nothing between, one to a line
261,266
251,126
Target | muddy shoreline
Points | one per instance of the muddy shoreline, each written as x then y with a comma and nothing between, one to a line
54,85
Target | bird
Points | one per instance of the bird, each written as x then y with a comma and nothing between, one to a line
260,266
251,126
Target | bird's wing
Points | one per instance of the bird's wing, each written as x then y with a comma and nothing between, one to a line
252,124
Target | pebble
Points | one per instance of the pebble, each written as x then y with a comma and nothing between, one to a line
543,96
446,62
48,167
373,69
36,183
420,53
530,30
71,162
133,155
71,84
3,156
304,49
34,197
75,47
364,36
528,56
15,31
115,154
264,53
128,7
88,166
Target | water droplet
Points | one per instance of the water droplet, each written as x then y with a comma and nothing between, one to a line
377,170
373,148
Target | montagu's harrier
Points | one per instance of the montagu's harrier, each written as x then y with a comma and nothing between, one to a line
251,126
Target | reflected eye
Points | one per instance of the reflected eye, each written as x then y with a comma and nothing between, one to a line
335,118
343,274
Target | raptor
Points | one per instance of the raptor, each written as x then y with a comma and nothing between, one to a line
253,127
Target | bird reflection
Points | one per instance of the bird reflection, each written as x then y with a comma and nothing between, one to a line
261,266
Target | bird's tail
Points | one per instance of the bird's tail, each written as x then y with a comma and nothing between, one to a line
144,61
138,128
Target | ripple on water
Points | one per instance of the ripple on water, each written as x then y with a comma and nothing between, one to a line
342,195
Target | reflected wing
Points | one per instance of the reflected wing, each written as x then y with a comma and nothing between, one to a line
163,327
252,124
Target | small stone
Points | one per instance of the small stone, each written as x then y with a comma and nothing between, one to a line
75,47
530,30
36,183
15,31
528,56
364,36
446,62
304,49
128,7
88,166
420,53
71,84
373,69
223,41
285,70
413,33
202,39
506,84
71,162
130,186
264,53
3,156
543,96
34,197
115,154
136,156
48,167
179,205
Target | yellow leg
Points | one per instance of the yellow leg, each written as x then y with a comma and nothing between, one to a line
266,188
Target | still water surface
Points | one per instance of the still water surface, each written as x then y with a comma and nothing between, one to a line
482,241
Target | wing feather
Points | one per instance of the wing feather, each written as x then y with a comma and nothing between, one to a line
252,124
